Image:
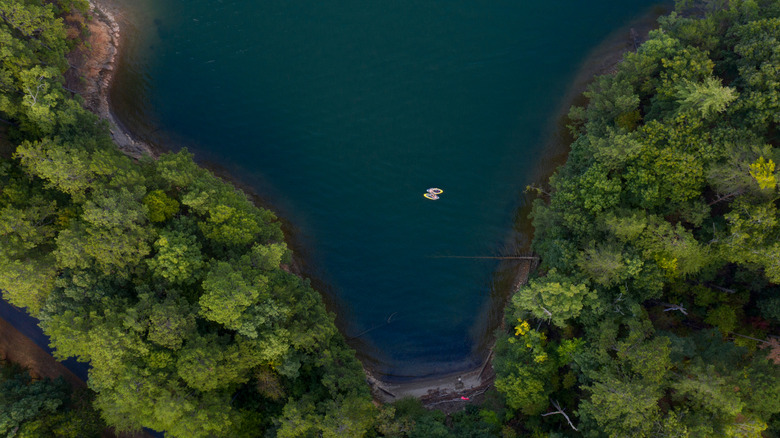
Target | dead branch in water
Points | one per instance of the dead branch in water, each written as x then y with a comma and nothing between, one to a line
388,322
487,361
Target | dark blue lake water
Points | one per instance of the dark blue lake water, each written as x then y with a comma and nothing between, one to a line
28,326
342,113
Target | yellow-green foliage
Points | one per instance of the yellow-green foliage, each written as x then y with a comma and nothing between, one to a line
667,201
763,172
161,206
165,278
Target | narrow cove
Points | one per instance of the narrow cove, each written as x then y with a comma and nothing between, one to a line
342,115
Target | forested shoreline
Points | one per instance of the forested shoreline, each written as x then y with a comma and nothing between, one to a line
655,311
44,407
166,279
655,308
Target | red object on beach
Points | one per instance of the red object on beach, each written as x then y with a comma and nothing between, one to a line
464,398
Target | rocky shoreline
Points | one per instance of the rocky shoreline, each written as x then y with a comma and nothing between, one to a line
93,64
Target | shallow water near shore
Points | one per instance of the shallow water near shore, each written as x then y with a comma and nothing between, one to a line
342,114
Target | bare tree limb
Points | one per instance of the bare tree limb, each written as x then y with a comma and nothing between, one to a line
722,289
560,411
679,307
725,197
749,337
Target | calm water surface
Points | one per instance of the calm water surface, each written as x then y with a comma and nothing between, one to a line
342,113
